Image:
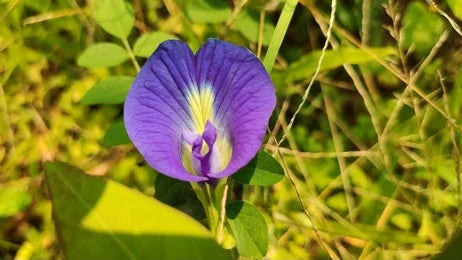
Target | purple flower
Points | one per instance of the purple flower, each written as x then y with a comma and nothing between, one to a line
199,117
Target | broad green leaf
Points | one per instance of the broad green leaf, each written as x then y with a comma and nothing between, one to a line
249,228
101,219
148,43
456,7
178,194
421,28
207,11
115,17
248,23
112,90
306,65
102,55
14,198
171,191
116,134
262,170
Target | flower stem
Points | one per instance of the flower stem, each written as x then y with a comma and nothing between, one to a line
214,206
204,195
131,55
213,214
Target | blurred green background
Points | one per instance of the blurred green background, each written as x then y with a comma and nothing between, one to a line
374,152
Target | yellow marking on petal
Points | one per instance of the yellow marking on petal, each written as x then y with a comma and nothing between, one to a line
205,148
186,155
201,104
225,150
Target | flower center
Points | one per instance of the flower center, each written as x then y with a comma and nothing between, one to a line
201,155
206,149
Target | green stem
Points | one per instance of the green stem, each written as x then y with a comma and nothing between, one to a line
214,203
204,195
131,55
213,213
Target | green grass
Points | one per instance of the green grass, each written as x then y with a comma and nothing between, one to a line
373,155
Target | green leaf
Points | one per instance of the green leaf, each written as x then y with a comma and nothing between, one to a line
116,134
249,228
101,219
171,191
102,55
262,170
14,198
115,17
112,90
178,194
248,23
306,65
207,11
148,43
456,7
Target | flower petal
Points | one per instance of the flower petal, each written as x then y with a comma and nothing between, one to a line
156,111
223,96
244,97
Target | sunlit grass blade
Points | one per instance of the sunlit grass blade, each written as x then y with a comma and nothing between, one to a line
279,33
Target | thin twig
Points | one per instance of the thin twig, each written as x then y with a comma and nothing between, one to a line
139,15
50,16
173,11
338,146
357,82
277,125
299,196
311,155
222,214
382,221
392,10
366,22
389,67
318,68
400,103
301,164
456,151
232,18
11,4
260,32
454,25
